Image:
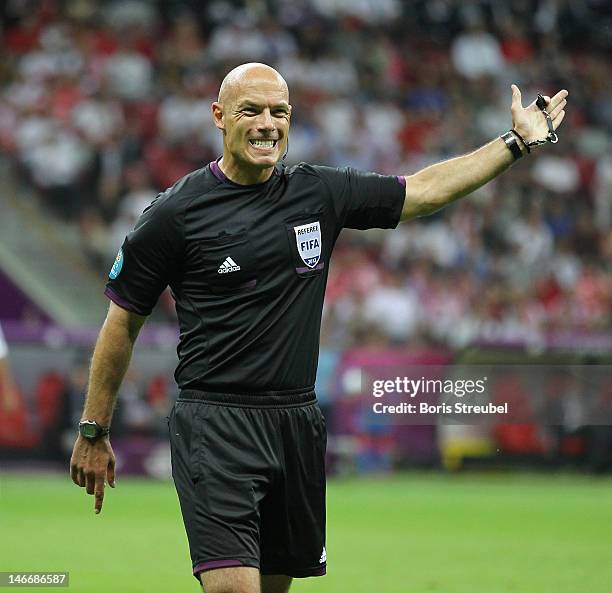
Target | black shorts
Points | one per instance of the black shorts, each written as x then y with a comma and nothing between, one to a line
249,471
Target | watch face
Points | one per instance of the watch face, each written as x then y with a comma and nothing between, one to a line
89,430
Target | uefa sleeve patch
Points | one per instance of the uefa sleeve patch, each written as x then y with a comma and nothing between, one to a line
116,269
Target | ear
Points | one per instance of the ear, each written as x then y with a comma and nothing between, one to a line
217,113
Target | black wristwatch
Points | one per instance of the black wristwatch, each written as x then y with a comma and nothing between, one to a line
92,430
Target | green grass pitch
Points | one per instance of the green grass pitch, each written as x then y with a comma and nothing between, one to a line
402,534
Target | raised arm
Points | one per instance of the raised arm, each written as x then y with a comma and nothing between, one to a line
93,461
436,186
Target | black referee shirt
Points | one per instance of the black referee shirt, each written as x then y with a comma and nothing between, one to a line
247,266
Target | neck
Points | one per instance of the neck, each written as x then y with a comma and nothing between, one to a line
244,175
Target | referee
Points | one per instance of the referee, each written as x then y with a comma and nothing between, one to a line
245,246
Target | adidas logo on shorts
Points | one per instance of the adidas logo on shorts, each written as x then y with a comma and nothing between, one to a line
323,556
229,265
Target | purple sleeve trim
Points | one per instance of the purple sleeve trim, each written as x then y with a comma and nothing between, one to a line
211,564
401,180
216,171
113,296
321,266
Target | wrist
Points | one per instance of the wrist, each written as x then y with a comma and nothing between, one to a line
92,431
525,145
515,144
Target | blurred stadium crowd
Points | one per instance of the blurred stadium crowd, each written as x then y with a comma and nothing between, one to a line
103,104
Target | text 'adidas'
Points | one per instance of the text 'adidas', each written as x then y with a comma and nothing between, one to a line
229,265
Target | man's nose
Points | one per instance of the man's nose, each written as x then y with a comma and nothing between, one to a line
266,122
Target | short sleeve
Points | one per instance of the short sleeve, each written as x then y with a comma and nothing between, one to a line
364,200
149,257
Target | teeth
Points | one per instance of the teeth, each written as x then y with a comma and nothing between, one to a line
263,143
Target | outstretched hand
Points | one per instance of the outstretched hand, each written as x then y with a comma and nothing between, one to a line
530,122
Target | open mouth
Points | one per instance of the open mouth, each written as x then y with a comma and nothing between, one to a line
263,143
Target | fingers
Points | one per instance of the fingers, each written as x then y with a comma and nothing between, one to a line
74,473
91,464
556,100
110,473
557,120
90,482
94,483
551,102
516,99
77,474
98,492
556,110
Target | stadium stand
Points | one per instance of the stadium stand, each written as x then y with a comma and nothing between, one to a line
104,104
99,121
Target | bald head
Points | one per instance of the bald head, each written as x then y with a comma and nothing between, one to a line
253,114
246,76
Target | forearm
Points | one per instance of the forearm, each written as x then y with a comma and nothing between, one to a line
436,186
109,364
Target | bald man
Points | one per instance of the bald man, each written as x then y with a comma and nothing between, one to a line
245,246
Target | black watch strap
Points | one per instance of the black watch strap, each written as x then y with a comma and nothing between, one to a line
511,142
92,430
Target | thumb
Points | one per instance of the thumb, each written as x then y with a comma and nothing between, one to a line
516,98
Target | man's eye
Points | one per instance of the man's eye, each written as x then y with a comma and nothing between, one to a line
249,111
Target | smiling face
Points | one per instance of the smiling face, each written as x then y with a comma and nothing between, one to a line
253,113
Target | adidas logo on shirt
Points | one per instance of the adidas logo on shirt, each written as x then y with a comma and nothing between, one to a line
229,265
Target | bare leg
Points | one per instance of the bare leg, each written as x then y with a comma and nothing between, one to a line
239,579
275,583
